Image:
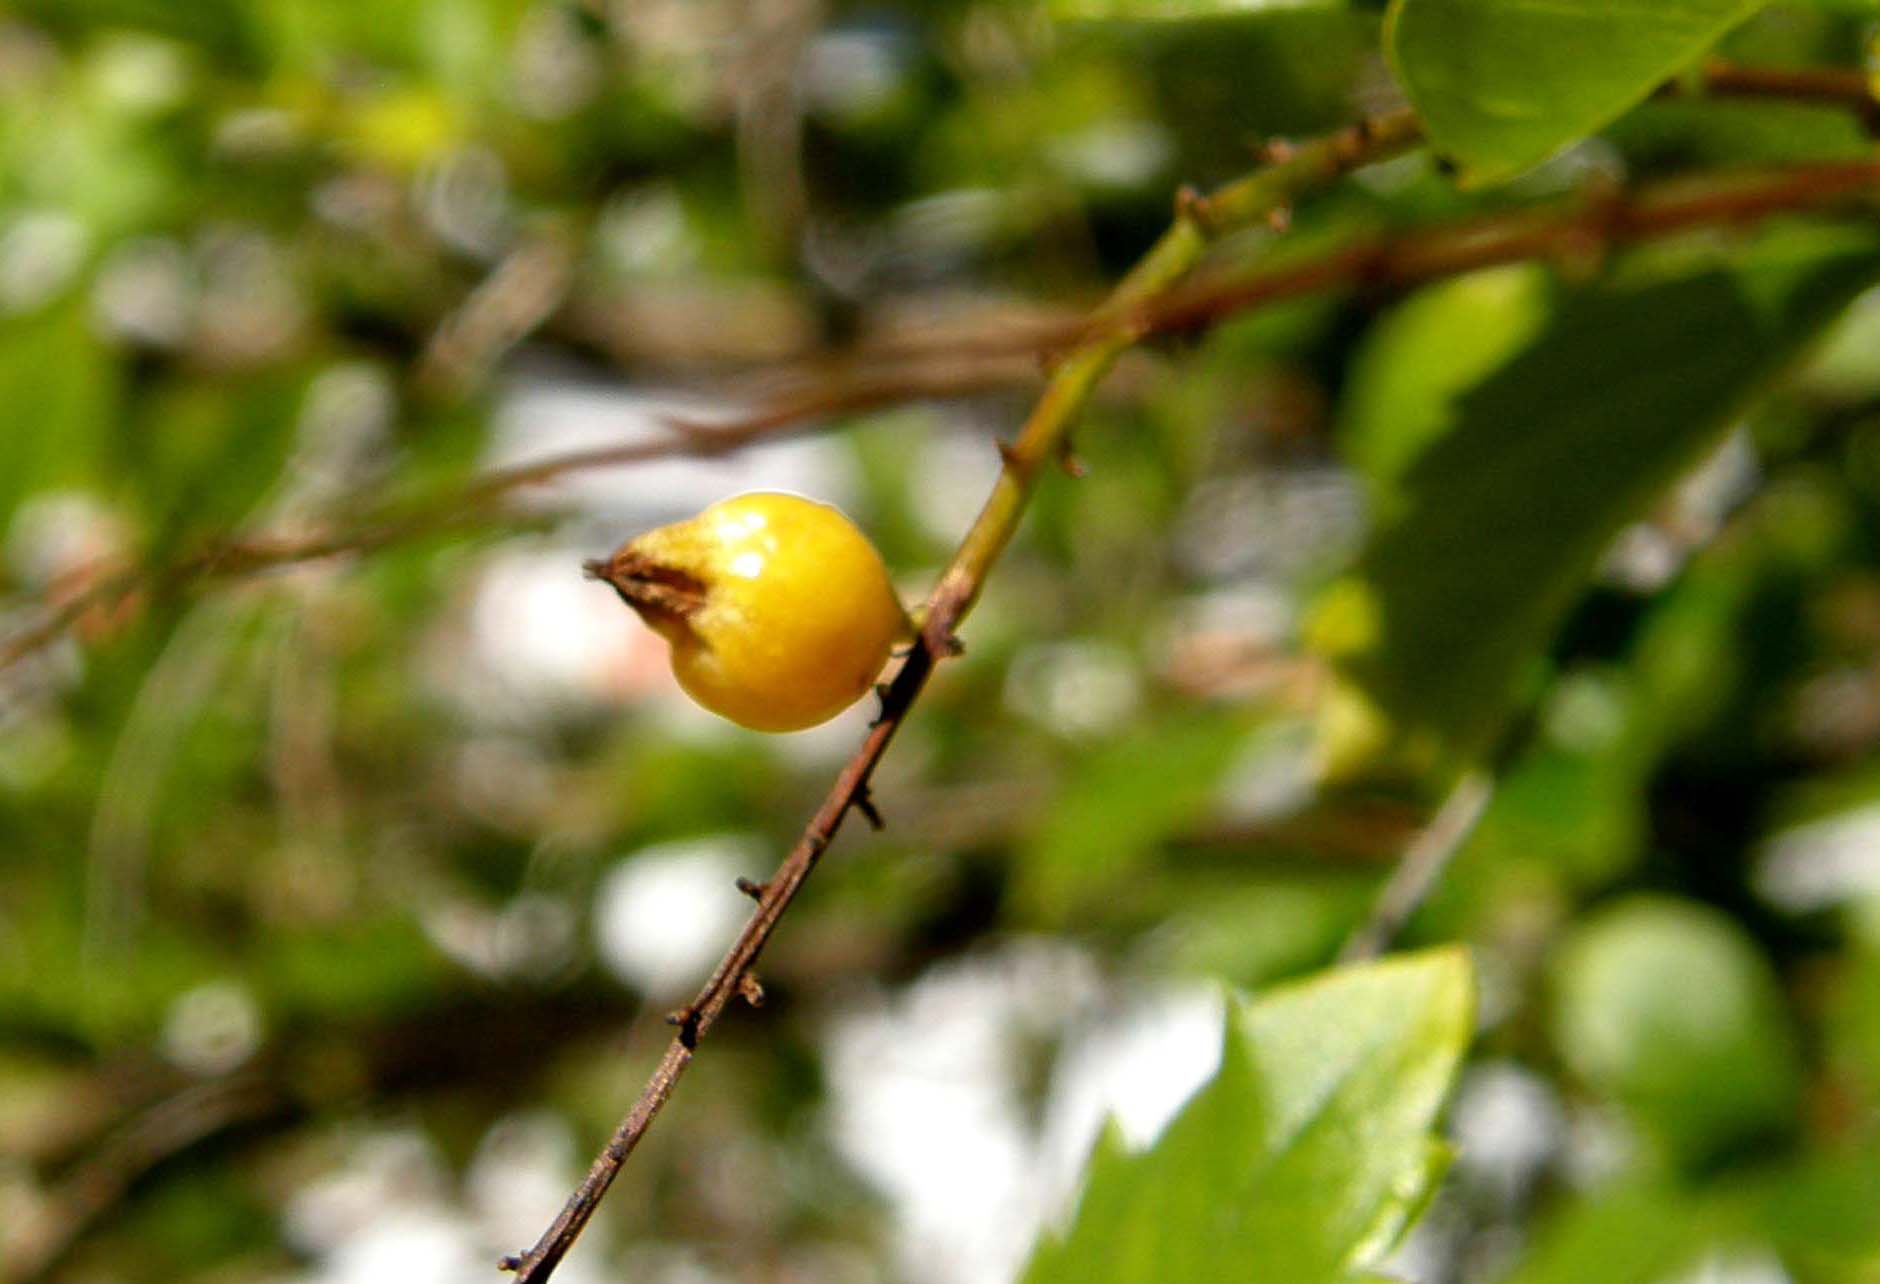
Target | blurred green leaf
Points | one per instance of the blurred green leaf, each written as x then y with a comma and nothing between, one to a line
1505,516
1180,10
1123,801
1503,84
1425,353
1668,1007
1305,1156
1634,1235
59,385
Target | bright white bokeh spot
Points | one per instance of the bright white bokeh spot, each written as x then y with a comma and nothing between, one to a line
1822,863
1138,1065
662,915
928,1096
540,637
212,1029
541,416
747,566
1077,688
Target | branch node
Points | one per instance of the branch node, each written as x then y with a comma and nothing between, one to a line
752,888
1274,151
751,990
1009,456
511,1262
686,1021
1279,219
1193,208
1073,466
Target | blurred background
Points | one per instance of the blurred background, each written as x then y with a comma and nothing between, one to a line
341,898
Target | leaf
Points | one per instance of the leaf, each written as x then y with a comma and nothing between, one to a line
1503,84
1306,1154
1434,346
59,385
1490,533
1635,1234
1183,10
1669,1008
1124,801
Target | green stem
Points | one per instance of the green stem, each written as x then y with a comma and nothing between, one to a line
1246,202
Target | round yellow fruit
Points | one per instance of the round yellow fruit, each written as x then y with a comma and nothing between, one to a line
778,609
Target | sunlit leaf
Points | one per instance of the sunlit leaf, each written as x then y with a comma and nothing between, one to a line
1503,84
1304,1157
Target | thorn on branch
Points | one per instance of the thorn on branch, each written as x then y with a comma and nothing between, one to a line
948,645
752,888
685,1020
1009,456
865,803
511,1262
751,990
1073,466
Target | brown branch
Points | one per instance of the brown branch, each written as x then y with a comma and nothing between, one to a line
1820,86
36,1245
1560,234
1134,310
806,410
915,371
1378,263
1037,447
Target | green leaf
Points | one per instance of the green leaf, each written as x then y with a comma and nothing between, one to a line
1637,1234
1504,84
1669,1008
1436,345
1181,10
59,385
1125,799
1491,532
1306,1155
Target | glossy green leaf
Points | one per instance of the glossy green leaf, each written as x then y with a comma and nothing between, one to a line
1494,529
1307,1154
1504,84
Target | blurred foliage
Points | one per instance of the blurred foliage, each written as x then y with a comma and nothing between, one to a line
345,900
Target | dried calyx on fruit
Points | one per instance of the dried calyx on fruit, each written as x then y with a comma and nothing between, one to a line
779,611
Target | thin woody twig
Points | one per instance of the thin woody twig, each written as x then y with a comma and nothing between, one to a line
917,371
469,505
1036,448
1421,867
1133,312
1396,261
1378,263
35,1245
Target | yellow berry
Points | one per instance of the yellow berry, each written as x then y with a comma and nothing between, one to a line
778,609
